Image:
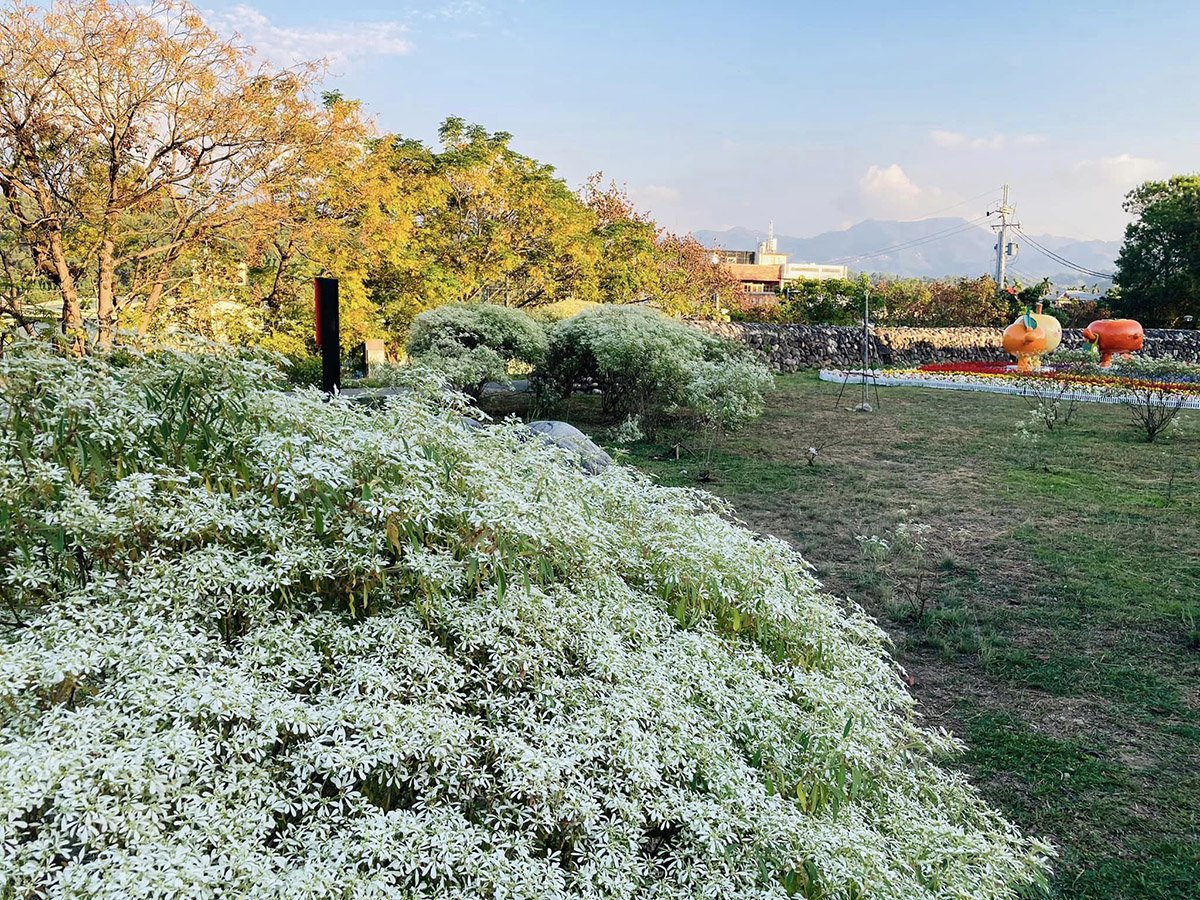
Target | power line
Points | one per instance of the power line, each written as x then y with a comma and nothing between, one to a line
957,228
1063,260
961,203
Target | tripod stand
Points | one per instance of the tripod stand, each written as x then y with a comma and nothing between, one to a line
866,373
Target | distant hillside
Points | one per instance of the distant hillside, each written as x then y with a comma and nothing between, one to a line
929,248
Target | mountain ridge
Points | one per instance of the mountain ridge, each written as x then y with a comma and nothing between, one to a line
931,248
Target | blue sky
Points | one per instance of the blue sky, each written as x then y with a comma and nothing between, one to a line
815,115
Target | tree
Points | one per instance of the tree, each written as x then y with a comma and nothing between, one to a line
342,210
1158,269
496,226
689,282
627,267
129,136
835,301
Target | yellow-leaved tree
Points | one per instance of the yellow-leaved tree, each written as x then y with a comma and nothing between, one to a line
136,144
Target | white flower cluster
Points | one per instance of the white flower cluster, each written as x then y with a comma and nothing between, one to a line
255,644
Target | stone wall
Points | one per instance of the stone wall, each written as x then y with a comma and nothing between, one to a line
788,348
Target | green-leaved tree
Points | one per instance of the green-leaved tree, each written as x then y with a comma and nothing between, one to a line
1158,270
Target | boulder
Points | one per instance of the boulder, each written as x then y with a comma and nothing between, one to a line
512,386
592,459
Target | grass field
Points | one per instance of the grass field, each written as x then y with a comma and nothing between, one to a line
1056,628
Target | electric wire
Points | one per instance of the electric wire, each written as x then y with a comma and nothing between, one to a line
930,215
923,239
1062,259
956,229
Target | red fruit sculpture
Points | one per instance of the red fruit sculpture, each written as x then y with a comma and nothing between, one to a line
1109,336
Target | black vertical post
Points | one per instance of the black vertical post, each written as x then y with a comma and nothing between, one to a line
329,340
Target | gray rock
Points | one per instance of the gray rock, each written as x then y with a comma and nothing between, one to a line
515,386
592,459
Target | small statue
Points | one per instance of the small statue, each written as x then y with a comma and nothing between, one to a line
1030,336
1109,336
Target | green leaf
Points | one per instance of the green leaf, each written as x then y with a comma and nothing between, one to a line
680,611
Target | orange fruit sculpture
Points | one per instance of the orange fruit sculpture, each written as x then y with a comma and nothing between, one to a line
1030,336
1109,336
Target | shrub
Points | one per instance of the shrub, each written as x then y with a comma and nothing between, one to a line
1150,397
300,648
1053,403
723,396
755,308
646,363
304,371
471,344
1073,359
903,566
1081,313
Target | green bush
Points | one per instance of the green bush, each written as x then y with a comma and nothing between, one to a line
471,344
303,371
1163,368
267,645
1080,358
646,364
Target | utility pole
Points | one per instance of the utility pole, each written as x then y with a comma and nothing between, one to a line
1002,239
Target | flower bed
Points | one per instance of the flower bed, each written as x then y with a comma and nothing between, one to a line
1073,380
1184,383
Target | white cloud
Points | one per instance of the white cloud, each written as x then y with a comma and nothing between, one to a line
336,43
1124,170
954,140
888,191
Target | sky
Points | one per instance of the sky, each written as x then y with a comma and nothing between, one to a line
814,115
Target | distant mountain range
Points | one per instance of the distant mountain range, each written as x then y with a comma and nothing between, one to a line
932,248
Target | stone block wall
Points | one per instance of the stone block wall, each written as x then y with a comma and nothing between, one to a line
789,348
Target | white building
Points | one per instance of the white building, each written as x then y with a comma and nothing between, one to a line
766,270
814,271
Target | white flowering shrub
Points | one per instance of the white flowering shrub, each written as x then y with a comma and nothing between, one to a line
726,394
1029,450
469,344
257,644
645,362
628,432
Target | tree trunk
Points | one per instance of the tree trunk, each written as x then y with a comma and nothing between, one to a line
151,306
60,270
105,301
72,312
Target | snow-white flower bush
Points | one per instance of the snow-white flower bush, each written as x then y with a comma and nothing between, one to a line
258,644
645,362
469,344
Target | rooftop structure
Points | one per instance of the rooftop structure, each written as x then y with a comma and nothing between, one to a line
767,271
